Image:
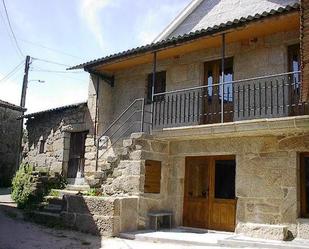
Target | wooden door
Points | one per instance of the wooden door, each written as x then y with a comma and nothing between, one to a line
77,154
213,92
209,200
222,207
196,198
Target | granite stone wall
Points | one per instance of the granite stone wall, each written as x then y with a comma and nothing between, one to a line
53,130
10,132
105,216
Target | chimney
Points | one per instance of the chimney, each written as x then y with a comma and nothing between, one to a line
304,47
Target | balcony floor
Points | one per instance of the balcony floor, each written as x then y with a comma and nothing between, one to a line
256,127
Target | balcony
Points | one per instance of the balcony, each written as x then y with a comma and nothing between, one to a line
271,96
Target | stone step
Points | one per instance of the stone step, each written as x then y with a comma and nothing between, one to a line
54,200
52,208
62,192
77,188
46,218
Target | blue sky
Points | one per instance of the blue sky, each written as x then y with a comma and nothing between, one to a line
83,30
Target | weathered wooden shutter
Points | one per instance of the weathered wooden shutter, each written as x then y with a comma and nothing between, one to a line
152,177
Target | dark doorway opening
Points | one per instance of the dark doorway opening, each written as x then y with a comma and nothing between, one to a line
77,154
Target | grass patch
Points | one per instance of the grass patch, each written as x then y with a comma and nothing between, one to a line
54,193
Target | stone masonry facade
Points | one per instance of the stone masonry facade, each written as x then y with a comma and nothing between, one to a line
53,129
10,133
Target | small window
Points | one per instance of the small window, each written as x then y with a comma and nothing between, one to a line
42,146
159,87
304,184
152,177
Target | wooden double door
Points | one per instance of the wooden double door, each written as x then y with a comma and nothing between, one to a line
209,199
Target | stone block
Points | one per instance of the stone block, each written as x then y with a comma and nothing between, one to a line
96,224
263,231
90,205
303,228
129,214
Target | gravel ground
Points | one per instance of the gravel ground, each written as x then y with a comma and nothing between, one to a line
18,234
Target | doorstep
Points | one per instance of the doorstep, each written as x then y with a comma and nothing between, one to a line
181,235
201,237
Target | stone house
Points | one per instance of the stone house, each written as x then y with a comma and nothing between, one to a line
10,139
51,135
210,121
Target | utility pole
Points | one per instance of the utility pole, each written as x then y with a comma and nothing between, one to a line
22,104
25,82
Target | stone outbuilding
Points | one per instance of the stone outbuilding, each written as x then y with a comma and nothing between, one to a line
56,140
10,140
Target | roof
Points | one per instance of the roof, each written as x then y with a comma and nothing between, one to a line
61,108
201,14
179,19
188,37
11,106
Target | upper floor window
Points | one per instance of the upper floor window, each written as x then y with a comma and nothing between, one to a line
294,62
159,86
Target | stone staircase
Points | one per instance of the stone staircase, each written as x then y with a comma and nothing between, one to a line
121,171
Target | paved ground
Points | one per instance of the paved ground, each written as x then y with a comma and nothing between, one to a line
18,234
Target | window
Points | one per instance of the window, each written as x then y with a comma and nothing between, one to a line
225,179
294,63
159,87
42,146
152,177
304,184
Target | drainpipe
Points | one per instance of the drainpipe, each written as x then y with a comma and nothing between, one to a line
153,87
222,76
96,124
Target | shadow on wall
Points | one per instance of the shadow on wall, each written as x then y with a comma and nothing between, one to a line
101,216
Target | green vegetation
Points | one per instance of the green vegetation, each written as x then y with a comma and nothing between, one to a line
53,193
29,187
94,192
22,187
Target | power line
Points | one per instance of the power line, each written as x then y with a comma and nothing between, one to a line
9,35
12,72
51,62
49,48
9,22
55,71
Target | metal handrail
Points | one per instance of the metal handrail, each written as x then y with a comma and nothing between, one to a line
120,125
120,116
225,83
124,122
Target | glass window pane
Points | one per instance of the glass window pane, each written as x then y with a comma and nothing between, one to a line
225,179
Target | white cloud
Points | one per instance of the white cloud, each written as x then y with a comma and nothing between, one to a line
155,20
90,10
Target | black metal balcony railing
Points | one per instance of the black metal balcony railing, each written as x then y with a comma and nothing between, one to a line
262,97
